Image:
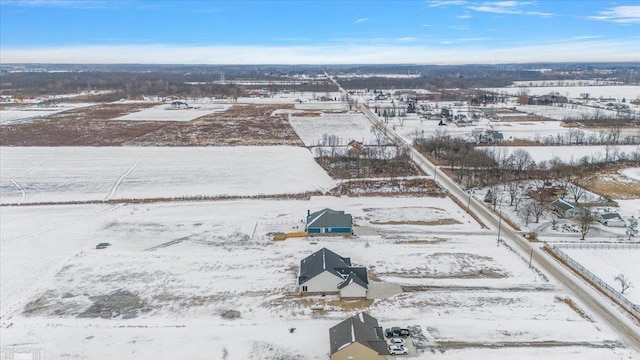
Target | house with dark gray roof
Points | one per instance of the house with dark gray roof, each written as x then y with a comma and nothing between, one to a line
358,337
325,272
565,209
611,219
329,222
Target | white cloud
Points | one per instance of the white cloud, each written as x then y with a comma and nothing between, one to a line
446,3
507,7
620,14
466,15
76,4
361,20
326,54
406,39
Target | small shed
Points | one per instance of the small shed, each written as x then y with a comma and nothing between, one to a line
179,105
329,222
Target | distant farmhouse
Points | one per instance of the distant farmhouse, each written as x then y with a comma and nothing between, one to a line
325,272
329,222
179,105
358,337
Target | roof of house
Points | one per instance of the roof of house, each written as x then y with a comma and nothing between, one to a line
562,205
363,329
353,278
329,218
611,216
326,260
320,261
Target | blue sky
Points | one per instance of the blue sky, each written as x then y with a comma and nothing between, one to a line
317,32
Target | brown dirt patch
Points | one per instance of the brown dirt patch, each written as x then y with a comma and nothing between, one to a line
575,308
92,126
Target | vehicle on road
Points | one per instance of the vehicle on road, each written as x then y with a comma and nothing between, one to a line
102,245
398,350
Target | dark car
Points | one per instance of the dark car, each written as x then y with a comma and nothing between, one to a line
396,331
102,245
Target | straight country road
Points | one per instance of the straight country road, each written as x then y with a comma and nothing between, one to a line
627,327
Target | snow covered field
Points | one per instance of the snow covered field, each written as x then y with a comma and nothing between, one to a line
617,91
183,266
569,153
608,263
165,113
21,115
345,126
45,174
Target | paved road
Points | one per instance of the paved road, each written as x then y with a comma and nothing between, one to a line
594,300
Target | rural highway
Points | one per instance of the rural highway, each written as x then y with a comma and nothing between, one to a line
628,329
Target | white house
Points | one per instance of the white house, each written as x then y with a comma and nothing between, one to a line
611,219
325,272
565,209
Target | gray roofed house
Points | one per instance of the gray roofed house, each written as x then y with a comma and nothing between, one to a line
329,222
565,209
358,336
611,219
327,272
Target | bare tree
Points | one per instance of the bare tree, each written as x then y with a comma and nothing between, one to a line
526,212
625,284
585,220
538,208
575,191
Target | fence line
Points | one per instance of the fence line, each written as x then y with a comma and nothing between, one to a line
606,288
616,246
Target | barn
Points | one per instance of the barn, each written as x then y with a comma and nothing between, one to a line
329,222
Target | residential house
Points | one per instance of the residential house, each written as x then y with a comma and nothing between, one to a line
611,219
329,222
491,136
565,209
325,272
179,105
358,337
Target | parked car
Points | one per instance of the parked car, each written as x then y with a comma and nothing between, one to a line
102,245
396,331
396,341
398,350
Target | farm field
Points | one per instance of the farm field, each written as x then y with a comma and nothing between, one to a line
178,271
64,174
572,153
607,263
20,115
164,113
346,127
616,91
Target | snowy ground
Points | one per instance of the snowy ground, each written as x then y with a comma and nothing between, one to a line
617,91
164,112
45,174
568,111
608,263
633,173
21,115
571,153
346,127
188,263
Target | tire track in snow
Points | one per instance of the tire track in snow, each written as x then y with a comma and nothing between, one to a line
23,193
114,188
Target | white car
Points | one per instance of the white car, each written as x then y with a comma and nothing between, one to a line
396,341
398,350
